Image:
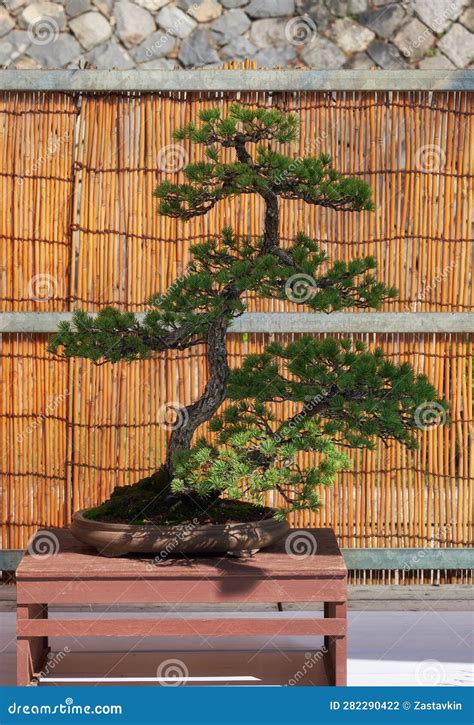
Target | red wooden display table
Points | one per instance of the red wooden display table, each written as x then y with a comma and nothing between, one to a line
76,574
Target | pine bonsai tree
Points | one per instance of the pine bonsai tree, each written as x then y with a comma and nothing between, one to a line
344,395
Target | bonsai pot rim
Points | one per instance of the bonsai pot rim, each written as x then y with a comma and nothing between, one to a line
118,539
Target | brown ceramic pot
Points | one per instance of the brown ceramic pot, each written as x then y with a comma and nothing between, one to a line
240,539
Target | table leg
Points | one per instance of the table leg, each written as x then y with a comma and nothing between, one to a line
31,652
336,646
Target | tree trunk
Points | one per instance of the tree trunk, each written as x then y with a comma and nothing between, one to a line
193,415
271,225
271,231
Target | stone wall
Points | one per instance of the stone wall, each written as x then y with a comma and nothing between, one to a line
161,34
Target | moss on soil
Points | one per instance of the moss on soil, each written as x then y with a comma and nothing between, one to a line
150,501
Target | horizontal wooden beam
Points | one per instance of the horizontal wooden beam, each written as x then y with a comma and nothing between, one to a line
235,80
313,322
180,627
10,558
274,322
409,559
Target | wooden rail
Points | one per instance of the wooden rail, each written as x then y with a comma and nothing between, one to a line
377,559
163,626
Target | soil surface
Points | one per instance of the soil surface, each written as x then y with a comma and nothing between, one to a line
150,502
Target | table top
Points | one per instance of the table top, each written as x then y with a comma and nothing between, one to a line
302,553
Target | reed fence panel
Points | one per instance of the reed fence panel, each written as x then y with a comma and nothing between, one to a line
79,229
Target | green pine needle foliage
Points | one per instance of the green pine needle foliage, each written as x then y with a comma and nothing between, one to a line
221,274
266,170
342,394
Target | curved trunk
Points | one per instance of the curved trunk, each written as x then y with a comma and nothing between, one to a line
213,396
192,416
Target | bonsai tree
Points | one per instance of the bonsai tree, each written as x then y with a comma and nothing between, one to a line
343,394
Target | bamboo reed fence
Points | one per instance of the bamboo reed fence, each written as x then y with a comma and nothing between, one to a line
79,229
